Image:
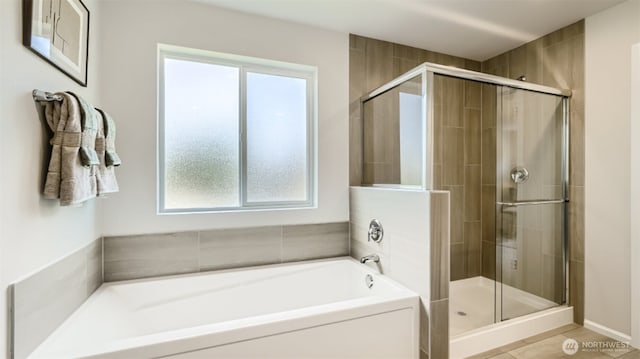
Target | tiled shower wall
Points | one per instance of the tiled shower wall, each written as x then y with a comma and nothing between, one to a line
488,180
382,139
556,60
457,160
372,63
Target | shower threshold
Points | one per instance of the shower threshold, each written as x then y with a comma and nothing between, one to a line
471,303
472,328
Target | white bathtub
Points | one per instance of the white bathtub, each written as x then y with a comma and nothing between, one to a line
318,309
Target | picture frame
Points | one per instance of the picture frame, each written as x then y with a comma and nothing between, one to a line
58,31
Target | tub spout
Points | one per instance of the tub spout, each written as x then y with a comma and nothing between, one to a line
369,258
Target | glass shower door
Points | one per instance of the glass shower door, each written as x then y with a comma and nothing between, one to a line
530,202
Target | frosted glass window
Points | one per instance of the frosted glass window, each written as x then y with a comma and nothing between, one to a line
276,138
201,135
234,132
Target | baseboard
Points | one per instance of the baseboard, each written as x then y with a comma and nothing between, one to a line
601,329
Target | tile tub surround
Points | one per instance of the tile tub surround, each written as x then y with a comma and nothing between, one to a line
45,299
150,255
414,250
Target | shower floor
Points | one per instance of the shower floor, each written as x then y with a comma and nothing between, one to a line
472,302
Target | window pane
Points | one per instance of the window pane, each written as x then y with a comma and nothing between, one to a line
201,126
276,138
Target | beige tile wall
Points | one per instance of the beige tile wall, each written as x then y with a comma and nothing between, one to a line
372,63
488,180
556,60
151,255
382,133
457,160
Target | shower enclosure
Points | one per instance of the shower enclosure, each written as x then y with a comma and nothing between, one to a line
500,147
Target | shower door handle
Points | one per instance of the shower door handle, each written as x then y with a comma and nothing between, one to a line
532,203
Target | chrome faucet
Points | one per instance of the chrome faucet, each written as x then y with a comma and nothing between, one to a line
369,258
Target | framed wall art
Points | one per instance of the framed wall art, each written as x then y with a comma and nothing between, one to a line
58,31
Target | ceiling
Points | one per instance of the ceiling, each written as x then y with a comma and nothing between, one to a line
474,29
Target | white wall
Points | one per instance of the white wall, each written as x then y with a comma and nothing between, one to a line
33,232
609,37
131,31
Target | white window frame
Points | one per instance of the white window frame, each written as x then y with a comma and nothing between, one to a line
244,64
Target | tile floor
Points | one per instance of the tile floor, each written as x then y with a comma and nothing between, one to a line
549,345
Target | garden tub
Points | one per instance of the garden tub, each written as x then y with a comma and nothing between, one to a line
334,308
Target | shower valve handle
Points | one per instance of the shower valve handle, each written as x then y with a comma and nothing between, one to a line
519,175
375,232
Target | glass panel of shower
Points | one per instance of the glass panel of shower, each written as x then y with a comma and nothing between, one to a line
499,146
394,136
530,202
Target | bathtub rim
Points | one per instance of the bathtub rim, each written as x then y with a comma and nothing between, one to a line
241,269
